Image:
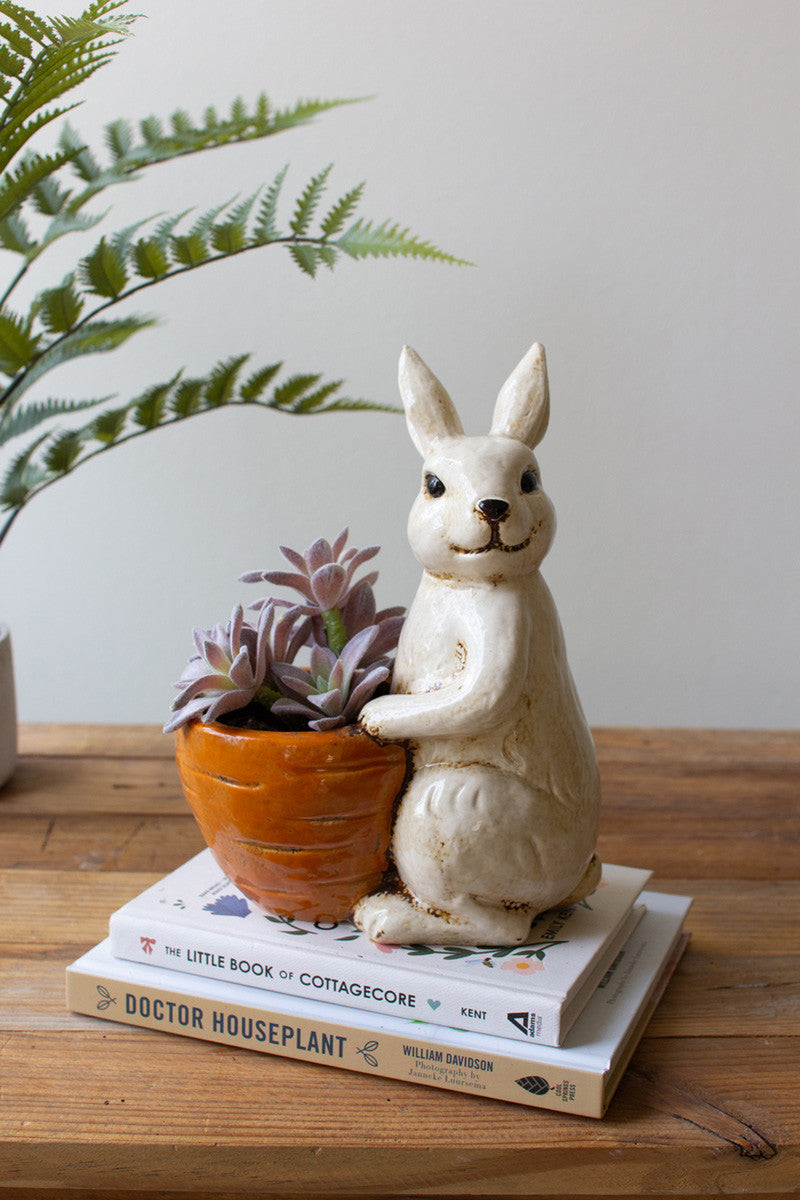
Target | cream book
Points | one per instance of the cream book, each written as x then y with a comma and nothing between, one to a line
196,921
578,1077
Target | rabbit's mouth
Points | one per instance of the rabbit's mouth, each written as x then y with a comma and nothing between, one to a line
496,543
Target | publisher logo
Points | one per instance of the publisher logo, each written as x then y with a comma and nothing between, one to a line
525,1022
537,1086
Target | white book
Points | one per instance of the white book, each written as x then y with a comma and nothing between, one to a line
196,921
578,1077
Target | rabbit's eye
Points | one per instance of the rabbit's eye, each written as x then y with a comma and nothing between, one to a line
529,482
434,486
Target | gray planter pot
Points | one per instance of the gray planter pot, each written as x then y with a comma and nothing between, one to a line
8,708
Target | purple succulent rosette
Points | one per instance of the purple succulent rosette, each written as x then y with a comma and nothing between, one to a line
332,690
336,623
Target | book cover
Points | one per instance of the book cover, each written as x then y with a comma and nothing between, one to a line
196,921
578,1077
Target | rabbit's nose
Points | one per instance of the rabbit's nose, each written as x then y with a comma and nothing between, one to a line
493,510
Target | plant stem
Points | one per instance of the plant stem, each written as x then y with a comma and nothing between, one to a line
334,630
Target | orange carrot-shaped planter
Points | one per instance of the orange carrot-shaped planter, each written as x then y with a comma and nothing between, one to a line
300,822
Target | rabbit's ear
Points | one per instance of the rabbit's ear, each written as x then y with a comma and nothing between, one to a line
430,412
523,406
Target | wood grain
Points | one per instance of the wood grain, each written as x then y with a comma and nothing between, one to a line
93,1109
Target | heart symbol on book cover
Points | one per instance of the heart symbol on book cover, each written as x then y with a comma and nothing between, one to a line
435,1004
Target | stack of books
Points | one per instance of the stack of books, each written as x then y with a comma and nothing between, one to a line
552,1023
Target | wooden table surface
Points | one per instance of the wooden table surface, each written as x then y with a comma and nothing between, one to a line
92,1108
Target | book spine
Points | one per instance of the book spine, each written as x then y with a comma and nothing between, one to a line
381,988
412,1058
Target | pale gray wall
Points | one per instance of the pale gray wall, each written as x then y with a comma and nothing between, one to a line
624,174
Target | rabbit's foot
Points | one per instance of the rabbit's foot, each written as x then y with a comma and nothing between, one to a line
396,919
589,881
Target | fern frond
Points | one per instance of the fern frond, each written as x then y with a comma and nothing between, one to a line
60,308
93,337
265,229
342,211
119,138
222,382
188,398
104,271
306,257
148,410
62,453
150,259
252,388
287,394
15,235
307,204
165,404
27,179
18,345
108,427
49,198
61,53
364,239
228,237
22,477
22,420
305,110
35,28
68,221
314,400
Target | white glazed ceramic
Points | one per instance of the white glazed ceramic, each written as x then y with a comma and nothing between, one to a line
499,819
8,709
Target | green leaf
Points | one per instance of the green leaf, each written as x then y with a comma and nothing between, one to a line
15,235
265,230
328,255
317,398
307,204
288,393
103,271
94,337
188,398
60,308
49,198
149,410
108,427
306,257
119,138
22,477
222,381
228,237
22,420
83,161
11,63
363,239
69,221
18,185
62,452
189,249
150,258
342,211
152,130
253,387
17,345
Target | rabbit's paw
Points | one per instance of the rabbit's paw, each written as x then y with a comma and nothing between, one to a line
396,919
380,718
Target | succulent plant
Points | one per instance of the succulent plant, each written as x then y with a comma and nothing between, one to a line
240,666
331,691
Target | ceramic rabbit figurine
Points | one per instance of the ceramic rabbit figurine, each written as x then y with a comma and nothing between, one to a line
499,818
